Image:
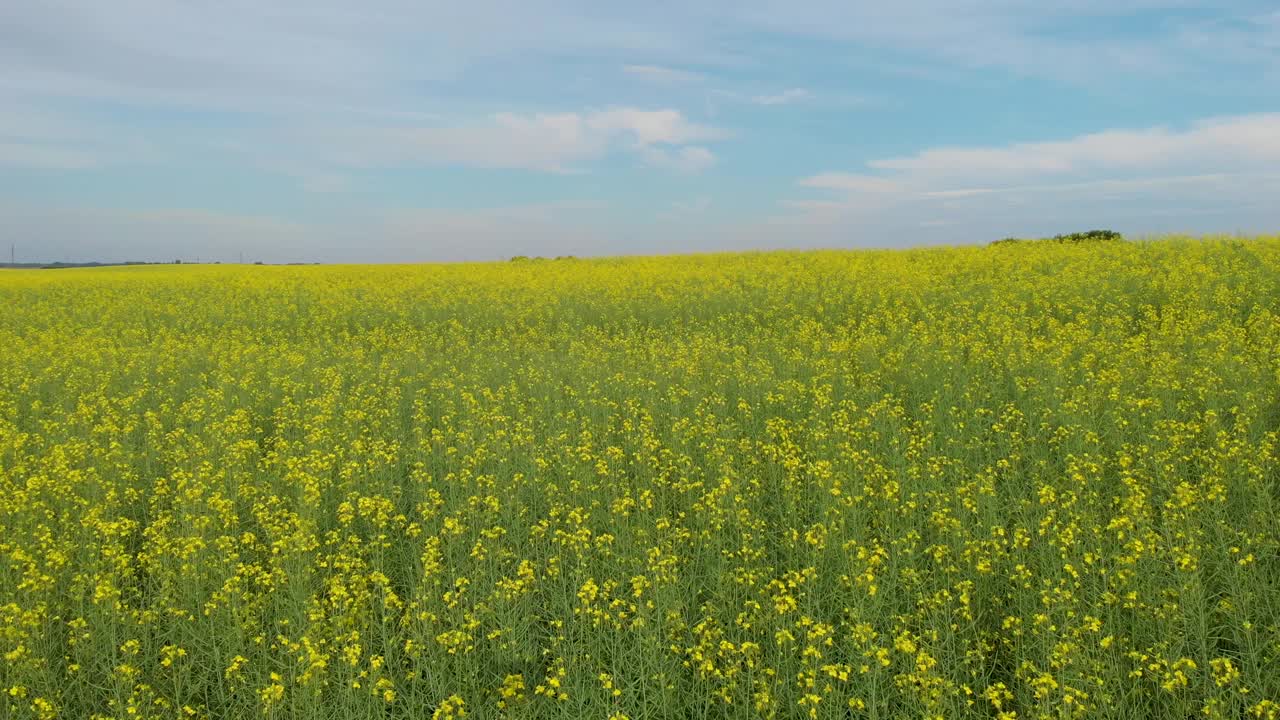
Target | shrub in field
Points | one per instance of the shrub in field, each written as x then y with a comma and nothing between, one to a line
1089,236
1076,237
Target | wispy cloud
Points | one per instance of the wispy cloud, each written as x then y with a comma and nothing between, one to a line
325,183
690,159
687,209
660,75
1230,144
653,126
851,183
549,142
1174,38
253,56
786,97
44,156
40,138
1121,173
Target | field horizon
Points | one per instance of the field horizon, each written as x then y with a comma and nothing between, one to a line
96,264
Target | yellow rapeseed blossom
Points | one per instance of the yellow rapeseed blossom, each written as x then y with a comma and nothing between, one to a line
1031,480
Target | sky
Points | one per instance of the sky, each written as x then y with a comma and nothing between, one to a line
422,130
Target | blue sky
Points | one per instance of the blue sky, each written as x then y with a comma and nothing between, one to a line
393,130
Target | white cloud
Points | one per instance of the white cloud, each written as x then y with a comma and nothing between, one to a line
689,159
549,142
1209,167
33,137
1234,144
686,211
786,97
696,205
380,55
324,183
1248,141
849,183
1027,39
653,126
660,75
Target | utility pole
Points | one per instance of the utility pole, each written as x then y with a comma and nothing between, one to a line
11,255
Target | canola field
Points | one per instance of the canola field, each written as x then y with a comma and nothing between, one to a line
1025,481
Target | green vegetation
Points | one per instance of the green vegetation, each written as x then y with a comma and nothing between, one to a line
942,483
1075,237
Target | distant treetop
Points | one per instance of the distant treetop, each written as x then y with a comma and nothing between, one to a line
1075,237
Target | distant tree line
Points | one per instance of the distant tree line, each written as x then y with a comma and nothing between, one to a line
1075,237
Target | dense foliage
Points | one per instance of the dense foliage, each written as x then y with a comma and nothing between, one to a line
1089,236
947,483
1075,237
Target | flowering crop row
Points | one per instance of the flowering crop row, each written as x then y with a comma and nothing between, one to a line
1024,481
